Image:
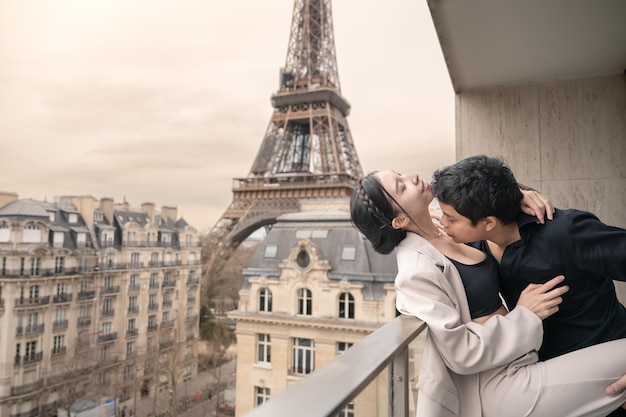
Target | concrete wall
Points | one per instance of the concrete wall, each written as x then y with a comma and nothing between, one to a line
566,139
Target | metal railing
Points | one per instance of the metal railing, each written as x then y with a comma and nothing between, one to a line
330,388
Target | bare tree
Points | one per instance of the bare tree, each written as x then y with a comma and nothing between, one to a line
72,375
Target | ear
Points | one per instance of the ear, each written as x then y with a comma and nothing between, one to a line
400,221
490,223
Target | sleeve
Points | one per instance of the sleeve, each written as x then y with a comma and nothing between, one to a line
595,246
467,348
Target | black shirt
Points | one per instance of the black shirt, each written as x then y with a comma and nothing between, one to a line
590,255
482,286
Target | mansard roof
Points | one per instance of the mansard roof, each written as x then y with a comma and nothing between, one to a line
124,217
25,207
329,231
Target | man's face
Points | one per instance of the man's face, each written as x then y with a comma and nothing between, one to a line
459,227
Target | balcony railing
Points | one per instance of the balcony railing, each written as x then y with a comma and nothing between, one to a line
329,389
86,295
32,302
107,337
62,298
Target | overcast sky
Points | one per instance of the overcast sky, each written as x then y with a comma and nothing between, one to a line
166,101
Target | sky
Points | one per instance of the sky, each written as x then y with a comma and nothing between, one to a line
167,101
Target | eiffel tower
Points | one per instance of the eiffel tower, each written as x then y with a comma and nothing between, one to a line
307,151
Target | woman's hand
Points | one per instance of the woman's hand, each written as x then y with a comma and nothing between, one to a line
543,299
535,204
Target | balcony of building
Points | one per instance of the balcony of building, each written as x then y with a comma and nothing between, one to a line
328,390
62,298
112,289
26,388
30,330
32,413
193,280
32,301
169,283
60,325
86,295
83,321
108,337
29,358
133,309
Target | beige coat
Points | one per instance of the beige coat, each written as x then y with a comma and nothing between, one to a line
429,287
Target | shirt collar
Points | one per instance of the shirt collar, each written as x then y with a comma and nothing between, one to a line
421,245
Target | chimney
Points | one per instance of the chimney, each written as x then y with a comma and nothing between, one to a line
7,197
85,204
148,207
106,205
169,212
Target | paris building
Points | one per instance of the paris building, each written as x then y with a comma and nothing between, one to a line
314,287
97,299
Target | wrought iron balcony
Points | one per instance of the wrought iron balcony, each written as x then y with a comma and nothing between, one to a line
329,389
62,298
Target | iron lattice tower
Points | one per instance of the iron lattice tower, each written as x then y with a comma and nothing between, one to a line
307,151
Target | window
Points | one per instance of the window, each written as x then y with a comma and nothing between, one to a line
61,288
34,266
109,259
132,324
31,349
105,328
152,320
270,251
305,302
5,232
348,253
31,234
134,260
303,259
22,266
109,282
4,265
133,283
73,218
262,394
348,411
59,264
154,280
60,315
265,300
81,239
133,304
85,311
263,348
130,348
33,291
166,317
58,239
303,356
346,306
342,347
154,259
58,344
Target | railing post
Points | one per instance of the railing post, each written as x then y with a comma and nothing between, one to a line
399,384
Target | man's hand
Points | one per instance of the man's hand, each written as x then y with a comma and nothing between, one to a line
535,204
543,299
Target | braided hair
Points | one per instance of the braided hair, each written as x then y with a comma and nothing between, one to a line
372,213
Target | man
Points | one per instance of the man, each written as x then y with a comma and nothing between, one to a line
480,203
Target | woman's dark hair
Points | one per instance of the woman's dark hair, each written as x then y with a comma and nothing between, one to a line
372,213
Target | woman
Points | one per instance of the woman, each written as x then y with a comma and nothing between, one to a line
478,359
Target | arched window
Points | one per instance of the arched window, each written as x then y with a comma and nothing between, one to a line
31,234
265,300
305,302
346,306
5,232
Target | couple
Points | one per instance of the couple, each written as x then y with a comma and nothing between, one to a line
562,343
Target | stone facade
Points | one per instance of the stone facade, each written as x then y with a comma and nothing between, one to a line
95,296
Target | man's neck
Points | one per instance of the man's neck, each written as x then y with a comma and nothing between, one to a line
504,235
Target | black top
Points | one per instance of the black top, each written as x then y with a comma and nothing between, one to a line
481,286
590,254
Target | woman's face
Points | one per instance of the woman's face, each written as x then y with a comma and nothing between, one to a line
409,191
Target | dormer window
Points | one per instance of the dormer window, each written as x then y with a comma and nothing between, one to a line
303,259
73,218
270,251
